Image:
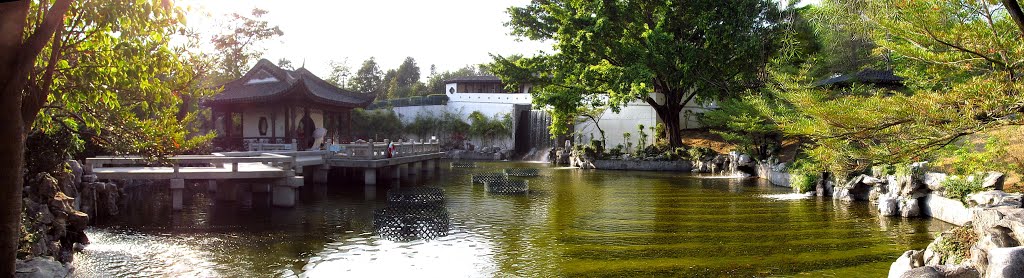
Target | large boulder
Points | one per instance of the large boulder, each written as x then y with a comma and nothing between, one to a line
40,267
905,263
1006,262
909,208
857,189
979,258
934,181
76,170
994,198
993,181
888,206
942,271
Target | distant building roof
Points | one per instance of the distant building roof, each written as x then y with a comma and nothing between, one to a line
474,79
268,83
868,76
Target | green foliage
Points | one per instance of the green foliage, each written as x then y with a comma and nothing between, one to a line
368,79
642,140
700,154
45,152
617,151
802,181
449,128
844,39
376,124
739,122
626,136
959,187
953,56
968,158
597,147
238,44
956,244
120,83
488,129
404,81
627,50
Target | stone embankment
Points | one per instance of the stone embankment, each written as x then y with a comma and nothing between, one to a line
56,210
986,244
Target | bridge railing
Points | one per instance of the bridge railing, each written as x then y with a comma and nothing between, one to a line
181,161
379,150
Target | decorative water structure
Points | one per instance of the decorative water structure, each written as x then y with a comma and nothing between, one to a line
507,186
416,196
482,178
522,172
463,164
413,213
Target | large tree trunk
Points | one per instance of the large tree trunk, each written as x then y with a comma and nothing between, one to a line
670,117
12,131
669,113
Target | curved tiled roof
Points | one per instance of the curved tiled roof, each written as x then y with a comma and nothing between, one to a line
868,76
266,83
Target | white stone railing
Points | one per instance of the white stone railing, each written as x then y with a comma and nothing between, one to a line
379,150
183,161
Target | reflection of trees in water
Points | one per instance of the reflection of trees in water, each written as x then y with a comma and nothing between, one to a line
413,213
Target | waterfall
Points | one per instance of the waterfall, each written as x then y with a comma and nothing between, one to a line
540,135
533,138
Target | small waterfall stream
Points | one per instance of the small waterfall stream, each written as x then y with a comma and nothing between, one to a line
533,138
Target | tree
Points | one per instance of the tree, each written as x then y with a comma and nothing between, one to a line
845,38
959,61
238,44
408,73
665,53
104,71
404,81
284,63
368,79
339,73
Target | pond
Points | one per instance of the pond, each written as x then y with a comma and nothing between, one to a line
573,223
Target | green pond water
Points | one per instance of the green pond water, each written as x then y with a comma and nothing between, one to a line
573,223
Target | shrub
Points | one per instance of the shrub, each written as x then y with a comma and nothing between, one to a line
597,146
956,243
616,151
802,181
959,188
46,151
699,153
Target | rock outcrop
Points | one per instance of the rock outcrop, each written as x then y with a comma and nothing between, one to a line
988,246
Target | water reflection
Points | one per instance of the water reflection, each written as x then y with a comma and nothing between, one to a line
573,223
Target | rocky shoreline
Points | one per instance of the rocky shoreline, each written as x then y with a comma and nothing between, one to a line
988,245
56,210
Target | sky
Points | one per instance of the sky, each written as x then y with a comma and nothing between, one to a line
447,33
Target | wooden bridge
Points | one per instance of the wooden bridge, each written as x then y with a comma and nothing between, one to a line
234,174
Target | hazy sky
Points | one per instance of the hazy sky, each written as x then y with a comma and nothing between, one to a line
447,33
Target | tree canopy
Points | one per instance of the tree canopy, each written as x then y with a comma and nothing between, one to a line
961,62
664,53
